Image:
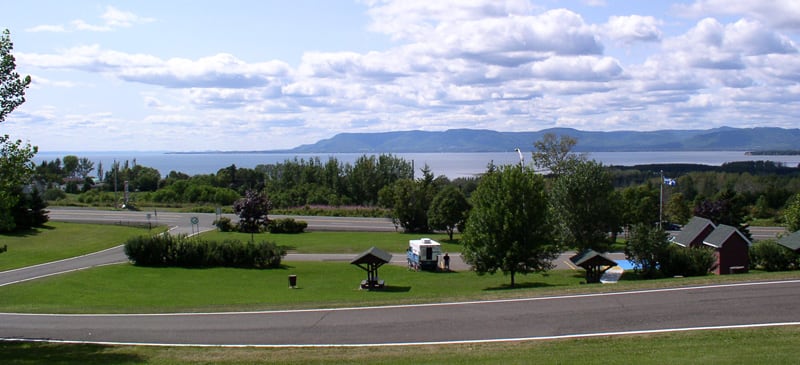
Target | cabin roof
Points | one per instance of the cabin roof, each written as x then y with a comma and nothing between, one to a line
722,234
791,241
692,230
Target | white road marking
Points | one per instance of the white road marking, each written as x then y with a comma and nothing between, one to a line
397,344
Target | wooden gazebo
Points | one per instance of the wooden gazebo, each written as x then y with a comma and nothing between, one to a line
594,263
370,261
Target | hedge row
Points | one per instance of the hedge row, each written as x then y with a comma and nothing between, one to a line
286,225
180,251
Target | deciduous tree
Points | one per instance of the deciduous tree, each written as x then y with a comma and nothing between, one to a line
448,210
508,228
583,205
252,211
791,215
12,85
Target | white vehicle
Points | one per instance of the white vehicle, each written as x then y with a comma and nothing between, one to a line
423,254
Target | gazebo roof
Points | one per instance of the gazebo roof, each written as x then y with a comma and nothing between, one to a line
592,258
372,256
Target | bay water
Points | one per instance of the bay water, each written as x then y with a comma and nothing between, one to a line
452,165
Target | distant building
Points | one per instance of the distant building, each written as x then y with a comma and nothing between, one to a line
731,247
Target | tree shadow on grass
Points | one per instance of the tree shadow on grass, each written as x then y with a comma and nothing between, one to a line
527,285
392,289
40,353
28,232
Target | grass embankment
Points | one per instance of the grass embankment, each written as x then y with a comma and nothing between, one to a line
776,345
58,240
338,242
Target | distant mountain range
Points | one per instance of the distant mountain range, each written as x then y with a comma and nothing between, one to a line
475,140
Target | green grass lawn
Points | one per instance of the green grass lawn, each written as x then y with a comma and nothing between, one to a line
126,288
339,242
58,240
775,345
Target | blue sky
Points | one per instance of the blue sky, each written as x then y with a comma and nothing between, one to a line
261,75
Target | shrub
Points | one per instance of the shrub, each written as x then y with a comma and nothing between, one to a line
54,194
181,251
224,224
287,225
771,256
687,261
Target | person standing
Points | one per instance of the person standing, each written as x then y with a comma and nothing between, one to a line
446,262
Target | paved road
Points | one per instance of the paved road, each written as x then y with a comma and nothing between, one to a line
745,304
205,220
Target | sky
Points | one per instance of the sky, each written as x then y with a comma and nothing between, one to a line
195,75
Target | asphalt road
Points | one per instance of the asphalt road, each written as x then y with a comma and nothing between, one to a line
742,304
206,220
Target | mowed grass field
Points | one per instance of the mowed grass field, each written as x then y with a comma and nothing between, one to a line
339,242
58,240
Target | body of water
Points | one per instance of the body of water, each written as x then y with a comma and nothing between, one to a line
452,165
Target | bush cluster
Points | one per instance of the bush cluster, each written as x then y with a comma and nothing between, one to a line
181,251
771,256
687,261
286,225
224,224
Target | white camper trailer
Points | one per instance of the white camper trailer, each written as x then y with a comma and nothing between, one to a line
423,254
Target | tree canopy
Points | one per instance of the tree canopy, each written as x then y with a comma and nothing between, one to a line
12,85
584,205
509,228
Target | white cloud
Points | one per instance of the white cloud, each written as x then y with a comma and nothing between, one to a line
777,13
112,19
633,28
221,70
55,28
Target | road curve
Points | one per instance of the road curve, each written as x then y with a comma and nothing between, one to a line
705,306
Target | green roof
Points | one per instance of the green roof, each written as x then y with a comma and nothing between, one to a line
372,256
721,234
791,241
692,230
592,258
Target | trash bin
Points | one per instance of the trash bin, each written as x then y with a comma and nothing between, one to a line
292,281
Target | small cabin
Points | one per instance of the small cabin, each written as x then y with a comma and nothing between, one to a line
423,254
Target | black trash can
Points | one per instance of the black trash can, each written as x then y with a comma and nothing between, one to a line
292,281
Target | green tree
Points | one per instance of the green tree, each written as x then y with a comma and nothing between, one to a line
554,153
16,167
583,205
791,214
508,228
410,201
448,210
12,85
647,248
640,205
677,209
70,165
15,158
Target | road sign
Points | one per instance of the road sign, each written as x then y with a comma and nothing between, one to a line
194,220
